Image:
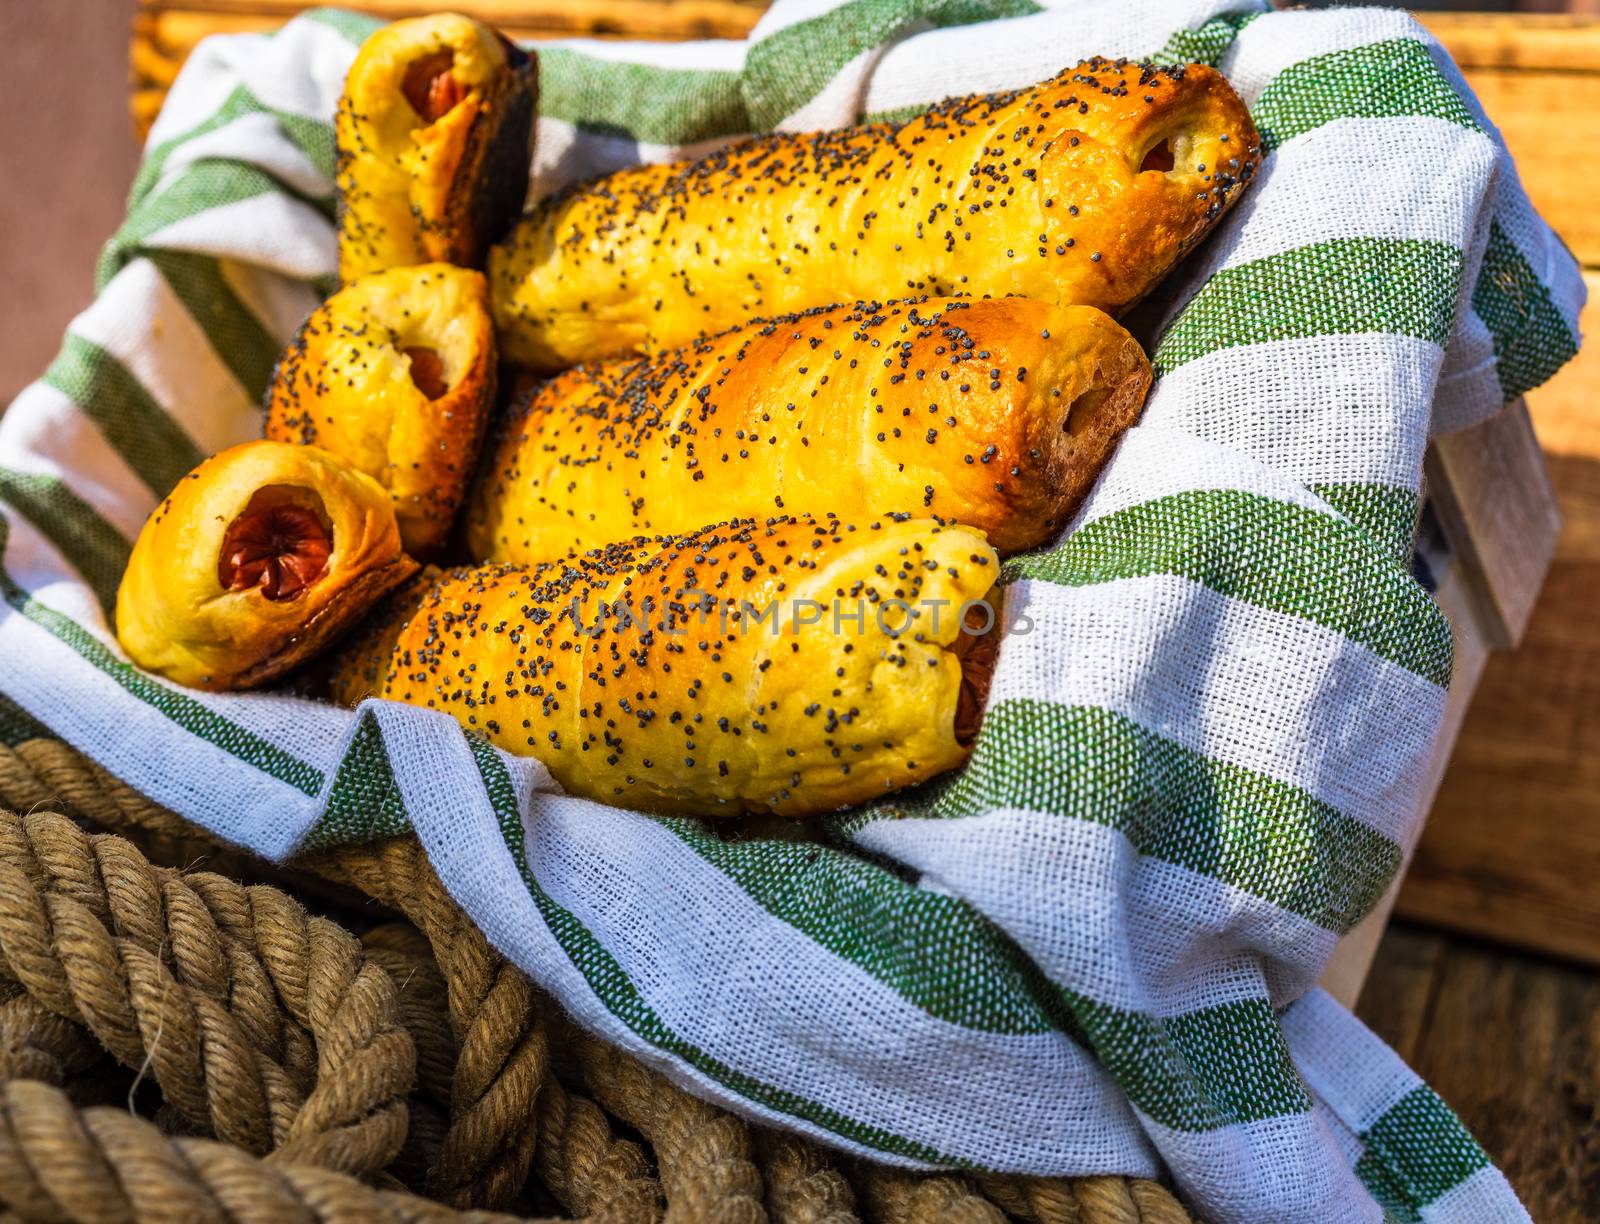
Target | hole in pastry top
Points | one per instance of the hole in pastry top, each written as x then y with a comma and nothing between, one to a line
278,544
429,86
427,370
1085,410
976,647
1158,157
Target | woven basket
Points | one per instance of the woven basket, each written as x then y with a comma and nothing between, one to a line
292,1069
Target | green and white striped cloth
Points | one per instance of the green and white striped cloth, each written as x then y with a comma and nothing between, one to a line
1092,950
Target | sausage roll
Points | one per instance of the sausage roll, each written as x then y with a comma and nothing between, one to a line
996,414
395,374
434,138
261,556
1084,190
789,666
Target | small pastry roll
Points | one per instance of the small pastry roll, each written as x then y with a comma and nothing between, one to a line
261,556
789,666
434,137
996,414
395,374
1084,190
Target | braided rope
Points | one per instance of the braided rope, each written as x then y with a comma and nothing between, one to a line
702,1153
804,1186
220,991
588,1170
58,1163
498,1119
893,1196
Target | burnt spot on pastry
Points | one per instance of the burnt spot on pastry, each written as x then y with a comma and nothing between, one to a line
278,544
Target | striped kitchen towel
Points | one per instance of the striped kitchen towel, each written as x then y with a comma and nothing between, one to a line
1092,950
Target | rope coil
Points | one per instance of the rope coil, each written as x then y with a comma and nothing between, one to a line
415,1052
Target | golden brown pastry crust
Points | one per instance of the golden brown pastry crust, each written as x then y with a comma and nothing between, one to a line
1042,193
395,374
434,136
260,557
736,679
996,414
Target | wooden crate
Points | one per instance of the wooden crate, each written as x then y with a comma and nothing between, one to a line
1512,849
1490,492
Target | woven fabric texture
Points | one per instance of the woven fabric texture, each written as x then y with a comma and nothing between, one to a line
1092,950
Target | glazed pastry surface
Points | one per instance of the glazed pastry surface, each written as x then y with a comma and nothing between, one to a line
1083,190
261,556
434,138
743,667
395,374
996,414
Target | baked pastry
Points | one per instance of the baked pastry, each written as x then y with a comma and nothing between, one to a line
434,138
395,374
790,666
1083,190
996,414
261,556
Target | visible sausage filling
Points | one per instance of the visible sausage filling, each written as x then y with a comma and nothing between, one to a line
276,546
977,649
427,371
430,87
1158,158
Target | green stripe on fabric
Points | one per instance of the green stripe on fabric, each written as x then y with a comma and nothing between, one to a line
92,546
176,705
17,726
934,950
1345,286
202,186
621,998
239,337
1422,1148
1250,832
1270,553
1218,1066
1531,338
1382,80
1205,45
364,803
671,106
1385,1190
1386,512
137,427
789,67
313,137
238,103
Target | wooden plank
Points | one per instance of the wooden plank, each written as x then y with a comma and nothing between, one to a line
1541,42
1399,992
1548,119
1513,1045
1494,498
